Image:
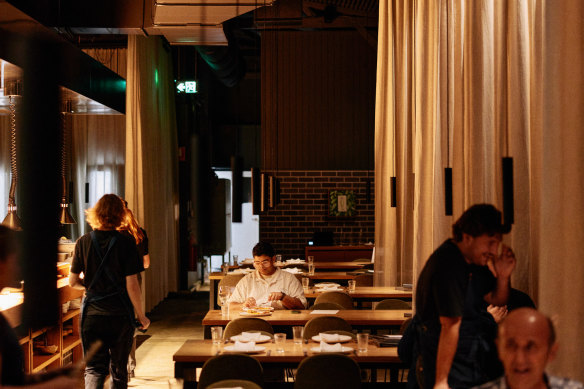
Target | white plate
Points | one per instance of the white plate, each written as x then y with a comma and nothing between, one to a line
232,349
345,350
253,313
261,339
342,338
327,285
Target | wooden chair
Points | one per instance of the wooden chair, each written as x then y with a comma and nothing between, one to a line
341,298
328,371
364,280
234,384
231,366
326,306
393,304
241,324
325,323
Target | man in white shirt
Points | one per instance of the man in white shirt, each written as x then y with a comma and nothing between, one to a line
267,285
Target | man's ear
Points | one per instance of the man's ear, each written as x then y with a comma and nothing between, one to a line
553,352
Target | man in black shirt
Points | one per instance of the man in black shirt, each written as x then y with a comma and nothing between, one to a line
451,293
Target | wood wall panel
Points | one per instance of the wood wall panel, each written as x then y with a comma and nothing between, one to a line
318,100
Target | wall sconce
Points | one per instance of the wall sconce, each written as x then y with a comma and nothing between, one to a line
11,220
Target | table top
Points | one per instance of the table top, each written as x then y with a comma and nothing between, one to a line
352,316
320,275
369,292
198,351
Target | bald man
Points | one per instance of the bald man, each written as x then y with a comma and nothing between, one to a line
526,344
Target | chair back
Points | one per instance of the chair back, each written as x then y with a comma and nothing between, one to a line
341,298
237,326
234,384
393,304
328,371
325,323
326,306
229,280
364,280
231,366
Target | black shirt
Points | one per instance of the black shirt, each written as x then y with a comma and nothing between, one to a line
443,285
123,260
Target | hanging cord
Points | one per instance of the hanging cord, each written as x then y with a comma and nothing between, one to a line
13,171
64,164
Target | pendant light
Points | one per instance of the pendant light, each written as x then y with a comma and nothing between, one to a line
11,220
65,217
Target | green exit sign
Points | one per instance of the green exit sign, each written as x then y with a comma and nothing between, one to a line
186,87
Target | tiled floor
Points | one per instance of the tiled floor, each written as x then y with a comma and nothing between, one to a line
173,321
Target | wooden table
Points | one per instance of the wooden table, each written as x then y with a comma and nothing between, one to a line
194,353
370,293
215,277
282,320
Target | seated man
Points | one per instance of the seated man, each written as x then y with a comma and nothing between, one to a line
526,343
267,285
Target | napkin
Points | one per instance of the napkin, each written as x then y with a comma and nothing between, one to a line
244,346
250,336
328,287
293,270
330,348
329,338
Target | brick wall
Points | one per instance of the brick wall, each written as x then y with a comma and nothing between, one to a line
303,209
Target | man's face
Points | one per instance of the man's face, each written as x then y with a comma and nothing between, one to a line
478,250
524,350
264,264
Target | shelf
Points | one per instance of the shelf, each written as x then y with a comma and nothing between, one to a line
71,314
70,342
37,333
39,362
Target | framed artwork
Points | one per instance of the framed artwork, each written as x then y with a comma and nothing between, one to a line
342,203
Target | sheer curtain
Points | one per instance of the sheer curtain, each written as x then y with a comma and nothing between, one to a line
98,149
4,165
151,159
462,84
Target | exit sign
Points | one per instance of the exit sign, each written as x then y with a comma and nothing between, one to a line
187,87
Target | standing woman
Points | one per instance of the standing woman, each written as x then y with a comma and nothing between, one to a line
130,227
110,264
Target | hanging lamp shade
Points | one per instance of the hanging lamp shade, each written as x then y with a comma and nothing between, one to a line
65,217
12,220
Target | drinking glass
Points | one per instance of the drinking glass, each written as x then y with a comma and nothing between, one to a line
311,269
310,259
223,293
216,334
305,283
278,258
297,333
225,310
352,284
362,342
280,340
236,260
225,268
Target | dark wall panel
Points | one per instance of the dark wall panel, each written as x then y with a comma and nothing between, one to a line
318,100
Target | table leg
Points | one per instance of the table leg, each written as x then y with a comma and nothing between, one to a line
212,294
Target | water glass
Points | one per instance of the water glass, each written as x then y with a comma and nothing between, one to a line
225,268
352,284
280,340
362,342
278,258
225,310
297,333
236,260
311,269
216,334
305,283
310,259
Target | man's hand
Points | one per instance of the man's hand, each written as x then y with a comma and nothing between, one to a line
250,302
441,385
497,312
504,264
275,296
145,322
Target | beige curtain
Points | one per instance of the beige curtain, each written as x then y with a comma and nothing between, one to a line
151,160
462,84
